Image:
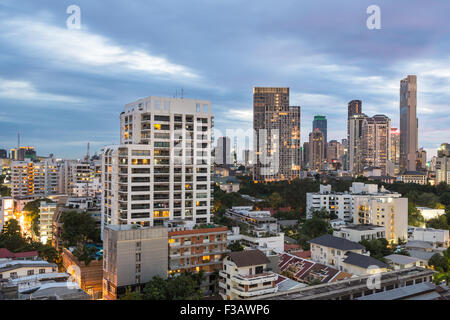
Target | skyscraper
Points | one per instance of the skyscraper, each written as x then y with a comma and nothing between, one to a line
316,150
223,151
320,122
277,135
408,123
395,150
355,143
376,142
354,107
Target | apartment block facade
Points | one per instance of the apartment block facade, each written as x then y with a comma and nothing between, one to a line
161,171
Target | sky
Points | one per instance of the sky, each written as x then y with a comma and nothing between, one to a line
62,88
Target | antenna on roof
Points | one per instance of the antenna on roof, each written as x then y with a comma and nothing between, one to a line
182,93
18,139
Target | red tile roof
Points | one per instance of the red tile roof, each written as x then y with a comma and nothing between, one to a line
6,254
302,254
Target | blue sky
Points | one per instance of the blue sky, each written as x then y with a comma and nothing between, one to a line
62,88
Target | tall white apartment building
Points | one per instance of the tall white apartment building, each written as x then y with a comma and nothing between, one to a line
365,204
162,170
80,178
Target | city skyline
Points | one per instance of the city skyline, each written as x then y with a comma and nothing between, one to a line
91,73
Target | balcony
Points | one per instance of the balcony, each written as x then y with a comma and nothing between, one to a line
255,279
258,292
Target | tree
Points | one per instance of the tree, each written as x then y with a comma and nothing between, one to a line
415,218
311,229
79,228
275,200
85,253
438,262
235,246
439,223
184,286
378,248
131,295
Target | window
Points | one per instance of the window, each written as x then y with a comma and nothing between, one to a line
138,268
259,270
205,108
156,105
198,107
41,271
138,257
30,272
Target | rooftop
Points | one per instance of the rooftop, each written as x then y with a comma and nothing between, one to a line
248,258
362,227
330,241
401,259
363,261
420,291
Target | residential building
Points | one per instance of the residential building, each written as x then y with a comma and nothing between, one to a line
5,254
245,275
376,142
409,123
46,213
335,154
132,256
34,178
6,210
442,165
162,170
355,136
421,161
360,232
13,269
276,126
436,237
395,151
316,150
339,204
356,287
346,255
400,261
197,249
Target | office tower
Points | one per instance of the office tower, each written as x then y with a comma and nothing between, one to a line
22,153
442,164
3,154
34,178
335,154
316,150
355,143
223,151
376,142
408,123
162,170
305,155
247,158
421,162
395,149
320,122
277,135
345,159
132,256
354,107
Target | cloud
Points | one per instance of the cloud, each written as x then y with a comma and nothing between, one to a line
81,48
24,90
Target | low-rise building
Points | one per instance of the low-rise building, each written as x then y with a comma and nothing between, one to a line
399,261
198,249
417,177
244,275
88,277
345,255
360,232
13,269
436,237
132,256
430,213
46,213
